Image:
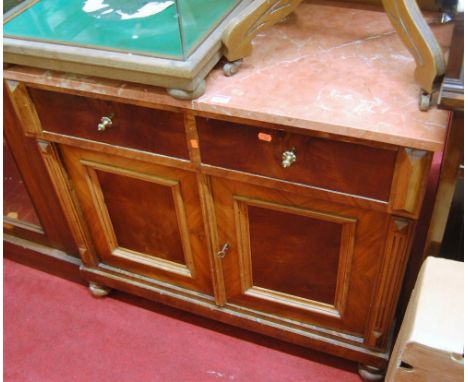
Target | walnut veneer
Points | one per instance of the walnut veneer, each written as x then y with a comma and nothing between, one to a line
199,211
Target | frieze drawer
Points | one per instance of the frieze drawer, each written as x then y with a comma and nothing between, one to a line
156,131
339,166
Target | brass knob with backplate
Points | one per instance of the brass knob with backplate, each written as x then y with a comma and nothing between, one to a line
289,157
104,124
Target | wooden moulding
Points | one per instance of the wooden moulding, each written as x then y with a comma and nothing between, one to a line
197,303
99,204
387,291
216,266
24,107
67,201
412,171
348,228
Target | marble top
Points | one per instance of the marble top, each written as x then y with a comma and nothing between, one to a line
329,68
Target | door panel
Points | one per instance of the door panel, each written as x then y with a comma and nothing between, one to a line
143,217
160,239
297,257
272,253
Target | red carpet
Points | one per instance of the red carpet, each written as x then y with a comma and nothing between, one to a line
54,331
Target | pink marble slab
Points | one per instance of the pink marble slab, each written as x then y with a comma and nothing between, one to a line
333,69
330,68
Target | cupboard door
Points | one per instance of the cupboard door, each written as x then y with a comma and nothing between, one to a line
299,258
143,217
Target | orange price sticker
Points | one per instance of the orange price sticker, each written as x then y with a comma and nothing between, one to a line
265,137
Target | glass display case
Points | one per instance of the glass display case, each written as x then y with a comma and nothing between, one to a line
170,43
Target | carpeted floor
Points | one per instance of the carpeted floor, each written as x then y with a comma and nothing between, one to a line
54,331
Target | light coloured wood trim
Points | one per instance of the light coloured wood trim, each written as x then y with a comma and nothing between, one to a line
211,227
25,230
295,301
418,38
258,15
193,142
387,291
183,228
241,222
412,171
106,223
245,265
348,235
129,173
24,107
99,205
9,222
141,258
298,325
68,202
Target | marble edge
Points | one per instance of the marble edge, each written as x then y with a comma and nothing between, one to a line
432,145
155,95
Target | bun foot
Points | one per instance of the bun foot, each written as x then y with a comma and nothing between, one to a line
98,290
370,373
186,94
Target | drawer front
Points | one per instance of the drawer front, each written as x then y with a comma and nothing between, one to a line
156,131
339,166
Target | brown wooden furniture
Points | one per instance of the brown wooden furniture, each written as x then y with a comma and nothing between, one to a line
164,205
294,225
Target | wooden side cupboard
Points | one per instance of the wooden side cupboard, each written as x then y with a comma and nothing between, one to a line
295,234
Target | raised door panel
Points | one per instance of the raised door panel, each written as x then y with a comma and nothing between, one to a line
144,218
299,258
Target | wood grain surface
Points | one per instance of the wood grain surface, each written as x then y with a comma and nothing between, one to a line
338,166
157,131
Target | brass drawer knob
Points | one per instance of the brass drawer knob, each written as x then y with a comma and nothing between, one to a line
288,158
104,124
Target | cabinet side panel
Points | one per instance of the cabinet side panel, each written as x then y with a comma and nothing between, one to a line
37,182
